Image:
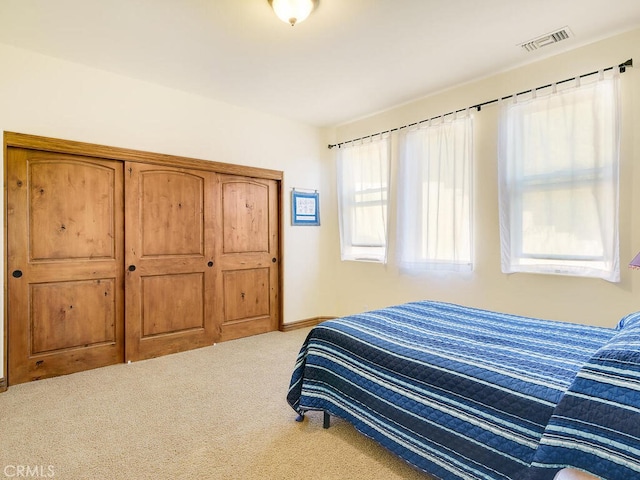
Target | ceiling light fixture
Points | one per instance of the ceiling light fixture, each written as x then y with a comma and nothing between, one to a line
293,11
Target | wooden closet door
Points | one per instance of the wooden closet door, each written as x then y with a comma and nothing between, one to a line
248,255
169,260
65,263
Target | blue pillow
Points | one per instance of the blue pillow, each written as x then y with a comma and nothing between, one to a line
633,319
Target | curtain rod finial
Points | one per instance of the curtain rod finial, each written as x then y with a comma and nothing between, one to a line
623,66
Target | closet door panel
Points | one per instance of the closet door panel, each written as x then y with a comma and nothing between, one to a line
60,314
170,274
248,255
65,254
172,303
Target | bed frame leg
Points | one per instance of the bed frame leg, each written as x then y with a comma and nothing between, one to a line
326,423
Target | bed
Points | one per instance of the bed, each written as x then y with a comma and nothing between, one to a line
465,393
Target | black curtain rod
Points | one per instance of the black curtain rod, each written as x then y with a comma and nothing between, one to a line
622,68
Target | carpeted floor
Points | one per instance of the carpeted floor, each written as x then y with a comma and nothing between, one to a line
213,413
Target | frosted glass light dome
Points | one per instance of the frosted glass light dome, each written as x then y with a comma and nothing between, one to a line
292,11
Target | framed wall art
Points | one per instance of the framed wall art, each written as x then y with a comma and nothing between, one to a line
305,207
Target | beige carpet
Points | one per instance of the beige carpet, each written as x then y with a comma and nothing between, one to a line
213,413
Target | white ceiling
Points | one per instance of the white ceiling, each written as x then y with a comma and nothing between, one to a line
349,59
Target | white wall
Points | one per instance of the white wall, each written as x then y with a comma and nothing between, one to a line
360,285
44,96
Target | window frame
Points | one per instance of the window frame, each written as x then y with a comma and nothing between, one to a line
601,176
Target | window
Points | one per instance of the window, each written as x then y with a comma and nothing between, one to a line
434,196
363,192
558,170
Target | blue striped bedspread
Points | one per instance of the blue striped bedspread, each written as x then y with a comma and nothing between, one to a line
596,425
464,393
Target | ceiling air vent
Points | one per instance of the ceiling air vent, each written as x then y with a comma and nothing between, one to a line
547,39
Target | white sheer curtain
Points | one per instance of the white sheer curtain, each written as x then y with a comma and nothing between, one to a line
363,192
434,196
558,172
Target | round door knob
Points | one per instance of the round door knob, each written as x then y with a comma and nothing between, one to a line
16,273
132,268
273,260
209,263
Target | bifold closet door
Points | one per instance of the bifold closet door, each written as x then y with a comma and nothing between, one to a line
64,262
248,255
170,271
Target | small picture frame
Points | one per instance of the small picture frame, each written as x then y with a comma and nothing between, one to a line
305,208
